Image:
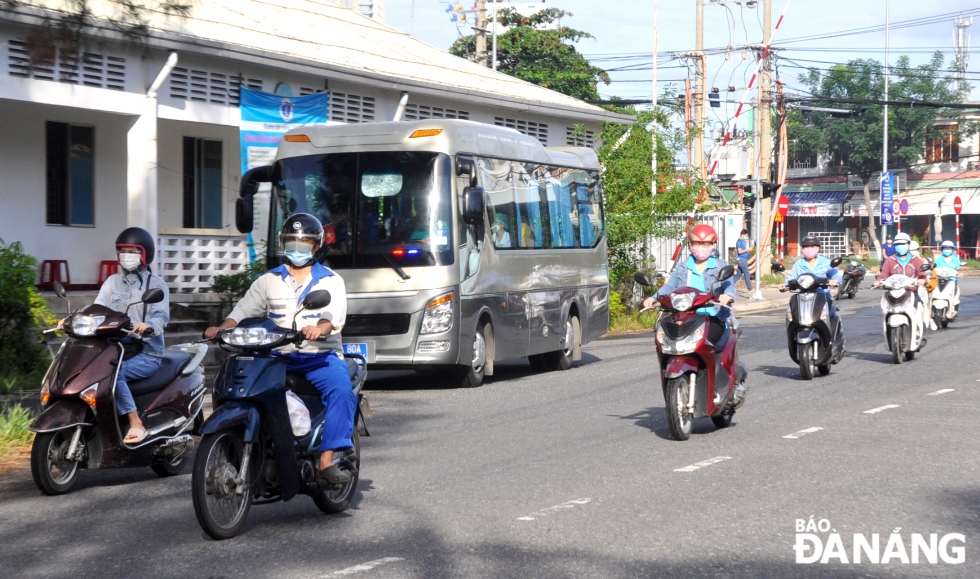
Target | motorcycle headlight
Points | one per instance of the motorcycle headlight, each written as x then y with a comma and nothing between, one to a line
438,315
243,337
681,302
806,281
660,336
86,325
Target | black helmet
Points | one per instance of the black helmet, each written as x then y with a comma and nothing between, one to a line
139,238
301,227
810,240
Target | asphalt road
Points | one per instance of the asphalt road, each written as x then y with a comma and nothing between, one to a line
574,474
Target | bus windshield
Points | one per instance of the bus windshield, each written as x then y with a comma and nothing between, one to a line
377,209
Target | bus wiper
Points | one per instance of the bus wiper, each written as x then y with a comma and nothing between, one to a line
401,272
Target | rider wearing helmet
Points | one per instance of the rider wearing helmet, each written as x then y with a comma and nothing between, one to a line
813,263
948,259
277,294
700,271
907,264
141,359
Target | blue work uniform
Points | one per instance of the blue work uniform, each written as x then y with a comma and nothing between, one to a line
821,269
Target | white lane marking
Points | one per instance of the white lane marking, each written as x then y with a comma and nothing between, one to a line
365,566
566,505
881,408
703,464
943,391
804,432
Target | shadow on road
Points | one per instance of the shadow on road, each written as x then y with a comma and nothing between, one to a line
654,419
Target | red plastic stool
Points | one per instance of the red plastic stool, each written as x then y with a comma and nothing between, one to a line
107,268
51,271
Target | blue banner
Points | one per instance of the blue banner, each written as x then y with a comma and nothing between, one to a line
265,118
887,196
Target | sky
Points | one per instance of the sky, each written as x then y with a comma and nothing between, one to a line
623,31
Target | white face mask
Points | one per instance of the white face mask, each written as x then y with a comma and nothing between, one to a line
129,261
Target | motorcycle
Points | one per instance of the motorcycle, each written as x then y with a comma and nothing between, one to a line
814,335
903,325
79,427
946,296
851,280
699,377
248,453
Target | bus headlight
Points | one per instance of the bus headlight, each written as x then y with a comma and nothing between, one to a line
438,315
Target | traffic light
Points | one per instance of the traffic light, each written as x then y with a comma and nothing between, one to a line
748,198
770,189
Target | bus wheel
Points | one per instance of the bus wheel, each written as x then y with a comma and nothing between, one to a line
562,359
472,376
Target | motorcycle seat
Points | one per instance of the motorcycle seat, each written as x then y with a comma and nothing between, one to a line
172,363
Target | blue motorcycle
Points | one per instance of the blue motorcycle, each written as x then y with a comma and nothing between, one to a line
248,453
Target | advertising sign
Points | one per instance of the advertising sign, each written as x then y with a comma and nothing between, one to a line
265,117
887,197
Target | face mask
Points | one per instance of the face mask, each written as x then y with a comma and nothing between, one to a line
810,252
947,252
298,253
129,261
902,249
701,253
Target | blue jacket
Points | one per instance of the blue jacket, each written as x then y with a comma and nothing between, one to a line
122,289
683,271
820,270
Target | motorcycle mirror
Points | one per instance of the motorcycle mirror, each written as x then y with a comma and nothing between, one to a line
316,300
152,296
926,267
726,272
643,279
836,261
59,290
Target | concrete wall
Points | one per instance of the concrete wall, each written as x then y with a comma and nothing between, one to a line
22,186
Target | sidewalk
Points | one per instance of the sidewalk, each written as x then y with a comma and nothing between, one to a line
771,299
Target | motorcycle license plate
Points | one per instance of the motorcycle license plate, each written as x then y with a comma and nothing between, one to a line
359,349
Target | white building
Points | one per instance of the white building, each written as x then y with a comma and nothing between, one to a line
371,8
84,152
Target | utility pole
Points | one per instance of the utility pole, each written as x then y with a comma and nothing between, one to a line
961,46
653,127
493,62
481,32
687,123
699,92
884,146
762,265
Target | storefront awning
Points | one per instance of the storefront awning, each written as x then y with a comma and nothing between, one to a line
817,204
920,202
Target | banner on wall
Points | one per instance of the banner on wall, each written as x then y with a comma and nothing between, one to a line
264,119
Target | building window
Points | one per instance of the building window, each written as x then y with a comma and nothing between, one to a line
70,174
530,128
88,68
351,108
202,183
209,86
420,112
943,147
579,137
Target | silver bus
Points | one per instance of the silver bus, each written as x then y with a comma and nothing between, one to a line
460,243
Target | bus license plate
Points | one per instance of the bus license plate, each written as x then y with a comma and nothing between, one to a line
360,349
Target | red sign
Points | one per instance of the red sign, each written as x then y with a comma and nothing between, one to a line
957,205
782,207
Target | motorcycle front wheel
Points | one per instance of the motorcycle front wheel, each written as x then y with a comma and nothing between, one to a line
804,353
678,419
53,473
338,499
220,505
897,343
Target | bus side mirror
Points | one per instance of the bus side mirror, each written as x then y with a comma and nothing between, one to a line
244,205
473,205
466,166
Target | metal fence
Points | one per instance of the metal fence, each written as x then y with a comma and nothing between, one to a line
662,248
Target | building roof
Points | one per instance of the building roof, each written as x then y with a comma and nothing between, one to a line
321,37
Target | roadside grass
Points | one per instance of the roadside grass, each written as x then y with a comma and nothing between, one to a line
632,321
14,420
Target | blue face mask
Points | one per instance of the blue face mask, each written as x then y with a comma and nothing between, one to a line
947,252
298,254
902,249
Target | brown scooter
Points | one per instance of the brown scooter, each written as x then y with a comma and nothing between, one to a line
79,427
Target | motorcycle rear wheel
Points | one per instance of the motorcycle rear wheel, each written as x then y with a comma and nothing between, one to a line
52,473
220,511
678,419
804,353
723,420
337,500
165,469
823,369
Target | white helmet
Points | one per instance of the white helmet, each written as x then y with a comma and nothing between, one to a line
914,246
902,238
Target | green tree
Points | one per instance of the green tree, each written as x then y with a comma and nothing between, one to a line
543,57
854,143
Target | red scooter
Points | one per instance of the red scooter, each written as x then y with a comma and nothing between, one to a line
699,370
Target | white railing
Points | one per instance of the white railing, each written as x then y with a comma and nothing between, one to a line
832,244
187,262
662,248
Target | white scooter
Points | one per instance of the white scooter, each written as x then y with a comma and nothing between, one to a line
903,323
946,296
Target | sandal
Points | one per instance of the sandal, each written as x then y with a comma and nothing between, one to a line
135,435
332,476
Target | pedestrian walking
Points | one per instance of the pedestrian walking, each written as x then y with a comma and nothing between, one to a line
742,257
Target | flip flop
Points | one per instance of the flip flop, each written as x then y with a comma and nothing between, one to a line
135,435
332,476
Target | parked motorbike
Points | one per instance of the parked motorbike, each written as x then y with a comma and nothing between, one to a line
248,454
903,326
700,377
79,427
814,333
946,296
851,280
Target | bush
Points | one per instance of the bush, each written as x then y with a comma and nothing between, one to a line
23,313
233,287
14,420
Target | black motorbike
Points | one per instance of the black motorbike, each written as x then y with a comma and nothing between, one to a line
814,330
851,280
248,454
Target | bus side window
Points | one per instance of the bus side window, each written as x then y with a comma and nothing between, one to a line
528,197
471,236
495,175
561,209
